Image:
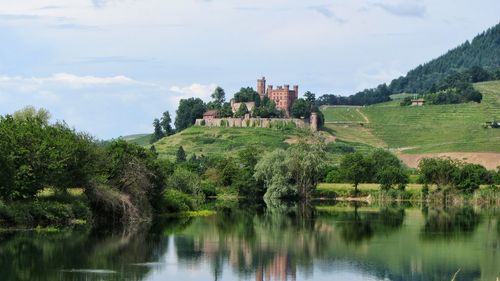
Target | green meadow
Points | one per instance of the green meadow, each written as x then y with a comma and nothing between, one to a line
431,128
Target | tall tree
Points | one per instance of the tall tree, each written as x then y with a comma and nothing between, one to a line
158,131
310,97
166,123
218,97
355,169
187,113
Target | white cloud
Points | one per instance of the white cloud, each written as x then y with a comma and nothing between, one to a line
194,90
404,9
71,79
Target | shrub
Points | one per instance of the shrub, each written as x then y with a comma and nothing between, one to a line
175,201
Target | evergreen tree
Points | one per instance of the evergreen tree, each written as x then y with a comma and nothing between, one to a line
165,123
181,155
158,131
241,111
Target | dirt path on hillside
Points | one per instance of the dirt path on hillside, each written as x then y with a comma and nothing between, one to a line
367,121
487,159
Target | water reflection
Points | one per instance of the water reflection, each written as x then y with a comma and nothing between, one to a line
449,222
274,241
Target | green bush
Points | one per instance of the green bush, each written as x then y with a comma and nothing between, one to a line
208,188
43,213
175,201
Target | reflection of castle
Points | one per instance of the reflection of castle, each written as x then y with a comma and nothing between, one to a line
282,96
280,269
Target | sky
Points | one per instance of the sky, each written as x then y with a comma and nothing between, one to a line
109,67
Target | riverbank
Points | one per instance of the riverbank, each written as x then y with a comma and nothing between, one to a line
370,192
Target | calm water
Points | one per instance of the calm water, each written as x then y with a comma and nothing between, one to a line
247,242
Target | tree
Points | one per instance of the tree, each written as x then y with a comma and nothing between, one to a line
478,74
310,97
301,108
165,124
30,112
158,131
226,110
389,176
355,169
181,155
218,97
189,110
306,163
241,111
273,171
268,109
246,95
438,171
34,155
292,173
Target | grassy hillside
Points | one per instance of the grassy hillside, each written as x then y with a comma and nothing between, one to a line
139,139
343,114
223,141
433,128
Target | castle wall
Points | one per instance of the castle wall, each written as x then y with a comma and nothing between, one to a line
256,122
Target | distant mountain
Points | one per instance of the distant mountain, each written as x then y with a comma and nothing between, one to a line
483,51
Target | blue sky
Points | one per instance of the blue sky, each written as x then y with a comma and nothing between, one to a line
109,67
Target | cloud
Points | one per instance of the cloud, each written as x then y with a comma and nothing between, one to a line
327,12
73,26
14,17
194,90
406,8
70,80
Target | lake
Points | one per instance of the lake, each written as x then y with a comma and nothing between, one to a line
321,241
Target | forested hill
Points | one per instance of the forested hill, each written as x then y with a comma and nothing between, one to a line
483,51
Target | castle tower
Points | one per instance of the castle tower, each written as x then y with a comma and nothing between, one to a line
261,87
296,90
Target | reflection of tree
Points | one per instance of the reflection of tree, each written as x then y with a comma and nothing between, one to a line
356,226
449,222
46,256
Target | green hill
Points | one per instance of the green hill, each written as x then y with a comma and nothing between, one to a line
224,141
433,128
139,139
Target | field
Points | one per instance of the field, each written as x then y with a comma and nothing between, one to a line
345,189
223,141
427,129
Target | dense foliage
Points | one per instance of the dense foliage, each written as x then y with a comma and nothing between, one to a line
291,173
189,110
380,166
302,108
451,174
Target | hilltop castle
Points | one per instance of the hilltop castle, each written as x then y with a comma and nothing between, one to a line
282,96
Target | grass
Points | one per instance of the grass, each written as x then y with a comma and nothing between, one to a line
223,141
139,139
344,189
426,129
354,133
343,114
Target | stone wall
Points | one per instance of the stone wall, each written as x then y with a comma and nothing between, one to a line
255,122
